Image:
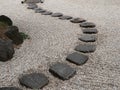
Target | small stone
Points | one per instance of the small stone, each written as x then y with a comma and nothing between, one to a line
57,15
62,71
89,30
34,80
85,48
77,58
9,88
65,17
87,25
32,6
77,20
88,38
40,11
47,13
32,1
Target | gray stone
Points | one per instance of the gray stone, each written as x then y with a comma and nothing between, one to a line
40,11
65,17
34,80
89,30
32,6
47,13
85,48
62,71
87,25
77,20
88,38
9,88
57,15
77,58
32,1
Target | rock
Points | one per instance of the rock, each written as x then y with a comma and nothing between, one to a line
63,71
32,6
87,25
77,58
77,20
6,20
9,88
34,80
65,17
88,38
57,15
6,50
32,1
89,30
85,48
47,13
13,34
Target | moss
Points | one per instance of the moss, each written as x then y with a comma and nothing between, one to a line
24,36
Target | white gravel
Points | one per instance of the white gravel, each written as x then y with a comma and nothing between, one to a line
53,39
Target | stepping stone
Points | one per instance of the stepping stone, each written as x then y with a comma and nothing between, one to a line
90,30
65,17
32,1
87,25
57,15
34,80
40,11
77,20
62,71
32,6
37,10
9,88
47,13
85,48
88,38
77,58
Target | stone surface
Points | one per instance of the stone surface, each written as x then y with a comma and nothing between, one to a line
32,1
9,88
65,17
37,10
57,15
89,30
13,34
34,80
6,50
87,25
47,13
77,20
88,38
40,11
77,58
32,6
85,48
6,20
62,71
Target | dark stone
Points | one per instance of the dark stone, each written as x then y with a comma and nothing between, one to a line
13,34
32,6
88,38
39,10
42,11
87,25
62,71
65,17
77,58
57,15
34,80
6,20
89,30
85,48
9,88
77,20
6,50
47,13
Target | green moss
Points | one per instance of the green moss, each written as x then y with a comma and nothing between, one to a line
24,36
3,25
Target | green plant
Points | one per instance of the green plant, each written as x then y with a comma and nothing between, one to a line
24,36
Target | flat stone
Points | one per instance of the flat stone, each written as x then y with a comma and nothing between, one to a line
9,88
32,6
32,1
40,11
88,38
34,80
85,48
87,25
77,20
57,15
65,17
62,71
47,13
89,30
77,58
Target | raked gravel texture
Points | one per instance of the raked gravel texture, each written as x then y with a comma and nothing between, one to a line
53,39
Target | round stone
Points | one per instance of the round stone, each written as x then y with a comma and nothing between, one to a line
34,80
88,38
9,88
47,13
77,20
57,15
65,17
87,25
85,48
89,30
